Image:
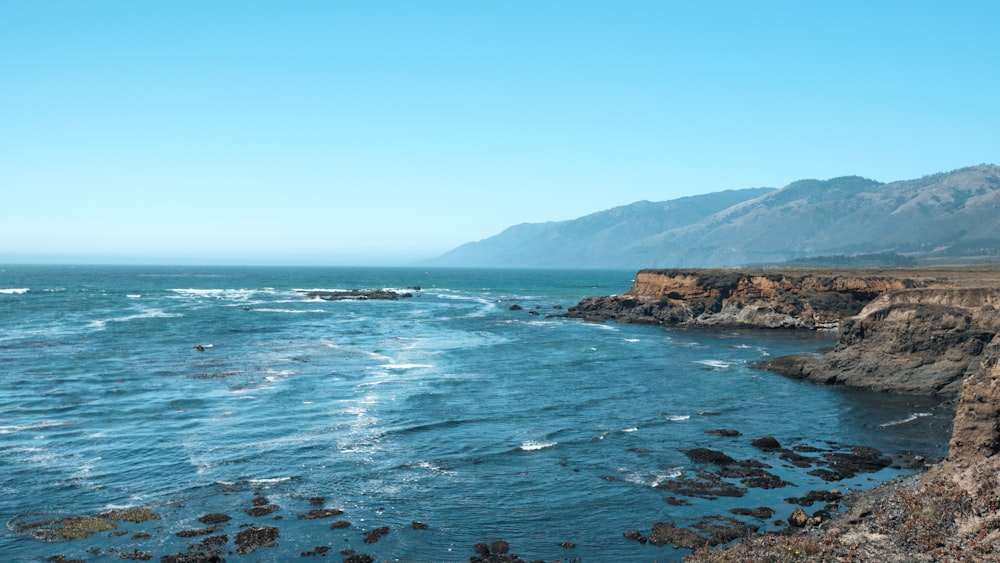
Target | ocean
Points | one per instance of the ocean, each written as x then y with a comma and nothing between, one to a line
212,390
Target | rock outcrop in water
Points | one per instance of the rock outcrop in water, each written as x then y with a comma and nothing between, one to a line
924,341
721,298
909,331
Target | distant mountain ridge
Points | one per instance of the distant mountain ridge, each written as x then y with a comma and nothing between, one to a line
947,214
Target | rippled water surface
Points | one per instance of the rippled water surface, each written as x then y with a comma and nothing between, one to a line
447,408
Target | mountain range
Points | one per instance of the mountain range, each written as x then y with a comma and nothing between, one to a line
945,215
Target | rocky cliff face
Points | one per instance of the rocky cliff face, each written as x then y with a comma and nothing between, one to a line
924,341
930,332
762,299
910,331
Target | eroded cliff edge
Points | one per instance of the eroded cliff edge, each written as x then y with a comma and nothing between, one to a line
905,331
933,332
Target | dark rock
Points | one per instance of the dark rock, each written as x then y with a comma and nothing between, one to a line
194,557
372,536
822,515
798,460
317,501
567,545
500,547
814,496
760,513
724,432
258,511
737,472
318,551
705,455
214,518
706,485
252,539
515,307
358,294
798,518
481,549
418,526
360,558
193,533
768,481
665,533
534,313
634,535
340,524
320,513
722,530
767,444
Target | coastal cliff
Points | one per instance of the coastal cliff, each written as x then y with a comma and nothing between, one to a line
934,332
906,331
747,299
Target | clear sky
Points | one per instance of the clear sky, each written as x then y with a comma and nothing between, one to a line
378,132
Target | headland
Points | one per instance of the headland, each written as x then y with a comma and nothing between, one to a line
918,331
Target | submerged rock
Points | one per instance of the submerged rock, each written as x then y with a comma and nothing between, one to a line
252,539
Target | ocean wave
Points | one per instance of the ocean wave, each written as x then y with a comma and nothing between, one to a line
630,339
149,314
679,417
406,366
906,420
651,479
40,425
534,445
630,430
288,311
14,291
222,294
714,364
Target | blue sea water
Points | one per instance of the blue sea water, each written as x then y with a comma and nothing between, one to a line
447,408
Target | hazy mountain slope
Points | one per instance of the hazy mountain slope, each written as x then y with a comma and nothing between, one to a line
948,214
592,241
940,213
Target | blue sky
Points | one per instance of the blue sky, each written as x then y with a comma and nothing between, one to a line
385,132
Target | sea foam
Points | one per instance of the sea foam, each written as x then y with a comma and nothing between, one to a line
906,420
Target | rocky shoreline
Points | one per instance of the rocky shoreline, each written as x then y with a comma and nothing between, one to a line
929,332
923,332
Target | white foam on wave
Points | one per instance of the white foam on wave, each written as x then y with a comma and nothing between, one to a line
534,445
906,420
630,430
630,339
714,364
679,417
288,311
405,366
133,296
649,480
433,467
268,480
222,294
14,291
40,425
147,314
